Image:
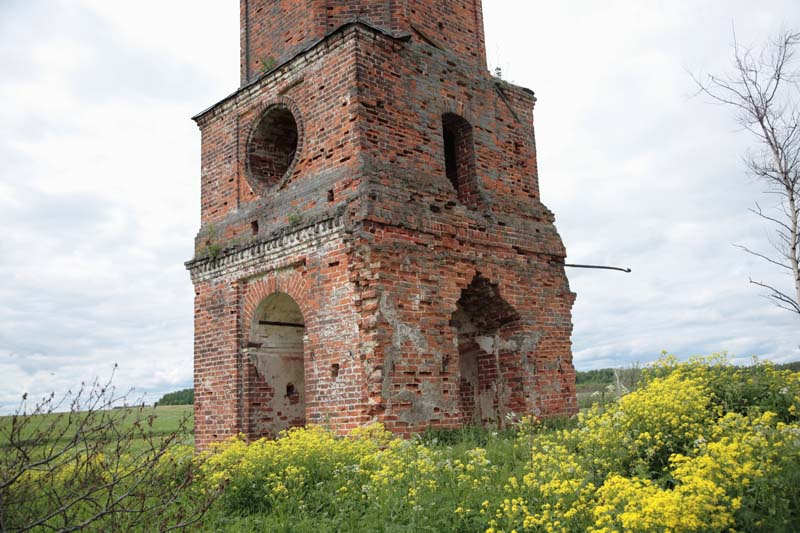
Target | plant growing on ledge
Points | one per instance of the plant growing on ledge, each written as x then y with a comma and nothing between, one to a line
268,63
295,218
212,248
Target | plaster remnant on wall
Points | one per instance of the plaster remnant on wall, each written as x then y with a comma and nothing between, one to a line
486,402
427,405
526,344
402,331
487,343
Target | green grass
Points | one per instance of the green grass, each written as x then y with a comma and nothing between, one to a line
119,467
308,484
166,420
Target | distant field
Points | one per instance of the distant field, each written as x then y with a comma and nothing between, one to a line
610,469
166,421
594,386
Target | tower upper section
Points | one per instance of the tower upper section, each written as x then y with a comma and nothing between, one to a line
272,31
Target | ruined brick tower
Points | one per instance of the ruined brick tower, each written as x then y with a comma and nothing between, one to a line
373,246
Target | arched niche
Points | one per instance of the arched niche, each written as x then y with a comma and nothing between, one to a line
480,320
275,347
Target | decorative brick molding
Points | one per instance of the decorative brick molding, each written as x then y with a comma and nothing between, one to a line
276,248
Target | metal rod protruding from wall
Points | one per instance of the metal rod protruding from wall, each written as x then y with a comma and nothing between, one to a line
598,267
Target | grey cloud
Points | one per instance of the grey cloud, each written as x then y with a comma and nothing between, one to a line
646,177
637,173
102,66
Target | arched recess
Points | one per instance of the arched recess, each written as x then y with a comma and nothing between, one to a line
459,158
481,323
275,348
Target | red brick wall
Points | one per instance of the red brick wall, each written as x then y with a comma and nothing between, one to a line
453,25
322,98
368,235
275,30
417,280
272,31
314,269
217,375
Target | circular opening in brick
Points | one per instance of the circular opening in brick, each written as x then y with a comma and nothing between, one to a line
273,145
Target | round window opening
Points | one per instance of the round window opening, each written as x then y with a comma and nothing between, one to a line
272,147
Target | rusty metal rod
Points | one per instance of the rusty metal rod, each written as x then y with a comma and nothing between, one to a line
626,270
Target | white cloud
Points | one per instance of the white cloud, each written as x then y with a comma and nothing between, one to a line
640,174
99,187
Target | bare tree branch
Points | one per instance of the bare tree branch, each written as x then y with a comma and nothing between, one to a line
764,92
96,466
778,298
762,256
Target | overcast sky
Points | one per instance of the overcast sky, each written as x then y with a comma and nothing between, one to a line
99,179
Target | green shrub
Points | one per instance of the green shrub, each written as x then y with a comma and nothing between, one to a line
81,463
181,397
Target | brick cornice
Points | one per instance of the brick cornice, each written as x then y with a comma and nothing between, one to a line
282,246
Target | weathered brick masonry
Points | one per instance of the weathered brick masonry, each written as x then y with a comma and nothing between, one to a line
373,246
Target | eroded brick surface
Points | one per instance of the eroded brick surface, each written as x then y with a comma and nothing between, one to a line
413,303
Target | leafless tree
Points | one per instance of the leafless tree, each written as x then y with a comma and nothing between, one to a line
83,462
764,92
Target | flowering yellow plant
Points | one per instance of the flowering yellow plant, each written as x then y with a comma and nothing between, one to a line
700,446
